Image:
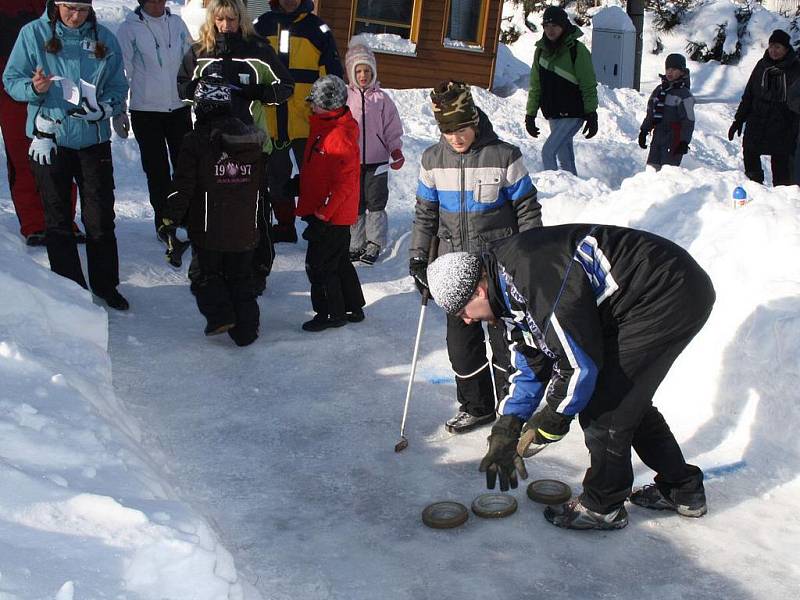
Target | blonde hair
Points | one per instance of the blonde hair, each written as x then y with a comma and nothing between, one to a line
208,31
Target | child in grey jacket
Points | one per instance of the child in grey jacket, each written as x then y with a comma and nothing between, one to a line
670,116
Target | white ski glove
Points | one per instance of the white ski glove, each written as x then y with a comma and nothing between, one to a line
121,124
93,115
43,146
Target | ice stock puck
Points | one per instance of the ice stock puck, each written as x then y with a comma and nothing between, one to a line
549,491
445,515
494,506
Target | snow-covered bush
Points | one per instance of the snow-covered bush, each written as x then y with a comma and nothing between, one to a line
668,13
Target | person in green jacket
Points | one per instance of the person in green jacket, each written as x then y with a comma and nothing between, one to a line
564,87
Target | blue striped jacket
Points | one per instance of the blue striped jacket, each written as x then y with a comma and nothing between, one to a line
473,200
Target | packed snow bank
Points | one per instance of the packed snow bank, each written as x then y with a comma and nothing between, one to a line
82,510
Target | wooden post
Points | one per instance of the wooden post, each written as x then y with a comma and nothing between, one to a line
635,10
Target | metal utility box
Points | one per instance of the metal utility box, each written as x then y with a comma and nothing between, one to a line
613,47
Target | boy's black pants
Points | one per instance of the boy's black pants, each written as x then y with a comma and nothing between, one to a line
225,293
335,287
91,168
466,348
620,415
160,135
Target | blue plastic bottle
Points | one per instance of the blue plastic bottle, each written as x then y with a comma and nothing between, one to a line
739,196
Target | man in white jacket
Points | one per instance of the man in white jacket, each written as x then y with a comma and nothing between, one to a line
153,43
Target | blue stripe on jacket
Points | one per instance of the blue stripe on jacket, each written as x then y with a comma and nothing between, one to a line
525,390
520,189
585,375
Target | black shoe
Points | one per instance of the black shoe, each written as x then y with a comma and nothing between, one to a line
162,235
370,253
217,329
37,238
115,300
574,515
355,316
320,323
284,233
355,255
691,504
464,422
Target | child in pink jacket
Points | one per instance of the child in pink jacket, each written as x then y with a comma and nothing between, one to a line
380,133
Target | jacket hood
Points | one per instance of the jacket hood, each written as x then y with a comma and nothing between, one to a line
568,38
785,62
359,53
306,6
138,15
341,117
486,134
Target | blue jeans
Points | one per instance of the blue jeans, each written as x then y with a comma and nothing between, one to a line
559,144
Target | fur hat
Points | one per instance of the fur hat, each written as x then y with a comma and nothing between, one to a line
328,92
779,36
675,61
453,279
453,106
359,53
557,16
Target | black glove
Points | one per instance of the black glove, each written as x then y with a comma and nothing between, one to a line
175,247
315,230
642,139
590,129
682,148
530,125
736,128
502,458
418,269
548,426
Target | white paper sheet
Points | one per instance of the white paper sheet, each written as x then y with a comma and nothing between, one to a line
89,93
72,92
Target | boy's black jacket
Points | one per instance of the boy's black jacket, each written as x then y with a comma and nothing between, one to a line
218,178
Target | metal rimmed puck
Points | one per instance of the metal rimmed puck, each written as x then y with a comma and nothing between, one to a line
494,506
549,491
445,515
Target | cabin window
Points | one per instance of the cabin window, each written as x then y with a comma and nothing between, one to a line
466,23
386,16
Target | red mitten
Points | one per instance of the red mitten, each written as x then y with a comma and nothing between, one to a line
398,160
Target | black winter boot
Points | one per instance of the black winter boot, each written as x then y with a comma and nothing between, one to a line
574,515
687,504
322,322
464,422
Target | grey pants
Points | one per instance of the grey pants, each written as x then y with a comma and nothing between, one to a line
372,224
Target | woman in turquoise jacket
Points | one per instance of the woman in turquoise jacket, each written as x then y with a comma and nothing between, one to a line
70,138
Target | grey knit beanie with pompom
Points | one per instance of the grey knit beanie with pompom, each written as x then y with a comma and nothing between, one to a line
453,279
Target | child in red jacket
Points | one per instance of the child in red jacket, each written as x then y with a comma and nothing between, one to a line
329,191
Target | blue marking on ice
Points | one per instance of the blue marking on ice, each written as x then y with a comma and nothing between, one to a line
723,470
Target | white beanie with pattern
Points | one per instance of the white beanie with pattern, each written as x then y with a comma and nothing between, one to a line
453,279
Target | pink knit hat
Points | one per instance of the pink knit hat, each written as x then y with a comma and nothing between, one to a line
359,53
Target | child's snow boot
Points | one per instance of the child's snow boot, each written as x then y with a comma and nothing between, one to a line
688,504
370,254
574,515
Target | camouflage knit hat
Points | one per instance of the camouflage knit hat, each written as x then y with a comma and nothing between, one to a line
453,106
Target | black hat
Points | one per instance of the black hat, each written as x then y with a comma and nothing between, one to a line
555,15
779,36
675,61
453,279
453,106
212,97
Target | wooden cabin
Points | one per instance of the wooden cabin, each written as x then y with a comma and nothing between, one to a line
428,40
418,43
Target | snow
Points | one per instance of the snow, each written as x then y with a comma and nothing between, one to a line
613,18
389,43
141,460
